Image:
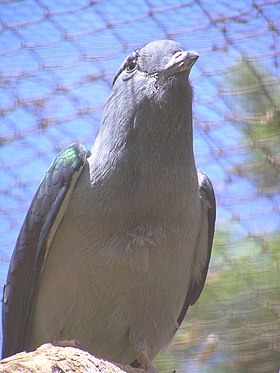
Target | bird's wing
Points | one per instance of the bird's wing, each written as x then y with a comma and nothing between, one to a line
42,220
204,243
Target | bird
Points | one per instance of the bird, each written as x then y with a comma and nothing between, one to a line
116,244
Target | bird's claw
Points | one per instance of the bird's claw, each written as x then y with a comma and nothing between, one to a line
64,342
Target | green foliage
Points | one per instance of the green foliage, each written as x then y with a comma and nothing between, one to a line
255,97
238,312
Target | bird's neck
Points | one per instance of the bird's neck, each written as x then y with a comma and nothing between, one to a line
148,144
147,169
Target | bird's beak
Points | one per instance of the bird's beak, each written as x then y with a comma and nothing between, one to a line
179,62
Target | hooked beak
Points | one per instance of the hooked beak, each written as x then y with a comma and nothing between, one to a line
179,62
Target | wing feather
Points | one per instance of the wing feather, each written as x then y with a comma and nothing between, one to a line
204,243
43,217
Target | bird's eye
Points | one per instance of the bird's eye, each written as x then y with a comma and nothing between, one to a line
131,65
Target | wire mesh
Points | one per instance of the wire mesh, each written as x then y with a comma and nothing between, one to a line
57,61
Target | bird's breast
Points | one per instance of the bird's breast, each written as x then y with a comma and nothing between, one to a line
142,211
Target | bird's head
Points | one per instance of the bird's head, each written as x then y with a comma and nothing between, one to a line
151,97
149,110
159,59
156,70
152,84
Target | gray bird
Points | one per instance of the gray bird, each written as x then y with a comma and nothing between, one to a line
116,244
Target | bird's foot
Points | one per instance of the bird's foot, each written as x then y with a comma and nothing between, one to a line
64,342
130,369
145,361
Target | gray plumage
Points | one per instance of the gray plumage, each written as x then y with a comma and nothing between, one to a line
116,244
